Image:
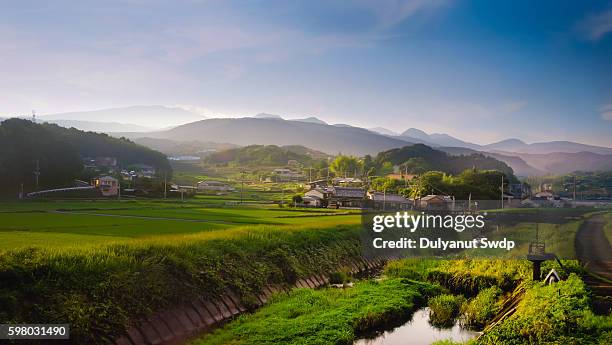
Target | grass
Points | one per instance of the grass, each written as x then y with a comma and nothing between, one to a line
66,223
444,309
478,311
553,314
103,289
327,316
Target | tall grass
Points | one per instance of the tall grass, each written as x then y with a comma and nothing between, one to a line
553,314
324,317
102,290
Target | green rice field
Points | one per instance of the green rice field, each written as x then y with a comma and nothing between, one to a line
81,223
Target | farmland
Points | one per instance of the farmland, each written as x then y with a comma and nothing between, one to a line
68,223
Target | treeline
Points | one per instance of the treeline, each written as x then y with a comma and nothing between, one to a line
471,183
261,155
56,152
420,158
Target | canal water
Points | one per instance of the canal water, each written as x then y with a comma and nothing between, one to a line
418,331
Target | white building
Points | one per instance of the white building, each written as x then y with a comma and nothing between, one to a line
215,185
109,186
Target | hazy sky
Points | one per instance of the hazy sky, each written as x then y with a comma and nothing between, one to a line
478,70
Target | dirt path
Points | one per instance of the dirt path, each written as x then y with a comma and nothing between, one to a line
592,247
595,253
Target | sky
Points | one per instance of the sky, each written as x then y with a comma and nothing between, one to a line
478,70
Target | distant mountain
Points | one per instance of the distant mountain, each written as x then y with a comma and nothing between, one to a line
383,131
509,145
148,116
249,131
102,127
435,139
183,148
267,116
311,120
564,162
518,165
504,146
415,133
560,146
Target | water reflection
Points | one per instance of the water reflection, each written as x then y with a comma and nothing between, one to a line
419,331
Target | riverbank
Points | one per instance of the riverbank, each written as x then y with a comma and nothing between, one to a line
102,291
326,316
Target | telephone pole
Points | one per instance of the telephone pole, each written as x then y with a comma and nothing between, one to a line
37,173
502,192
165,184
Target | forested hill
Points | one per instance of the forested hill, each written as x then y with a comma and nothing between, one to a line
91,144
420,158
263,155
58,152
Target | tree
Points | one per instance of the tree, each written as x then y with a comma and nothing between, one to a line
297,199
346,165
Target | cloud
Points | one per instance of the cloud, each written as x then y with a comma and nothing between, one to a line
392,12
606,112
596,26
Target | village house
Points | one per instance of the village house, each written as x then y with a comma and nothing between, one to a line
388,201
434,202
347,181
214,186
108,186
286,175
347,197
317,197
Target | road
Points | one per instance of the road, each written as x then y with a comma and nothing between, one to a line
595,253
592,247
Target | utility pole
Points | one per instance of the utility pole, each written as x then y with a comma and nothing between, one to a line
574,188
165,184
384,199
37,173
241,187
502,192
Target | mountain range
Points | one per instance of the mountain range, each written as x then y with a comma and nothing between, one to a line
267,129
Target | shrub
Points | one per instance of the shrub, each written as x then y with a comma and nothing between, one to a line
482,308
558,313
444,309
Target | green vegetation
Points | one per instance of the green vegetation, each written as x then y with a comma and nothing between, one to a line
420,158
102,290
589,185
477,184
263,155
556,314
58,152
467,276
482,308
444,309
327,316
553,314
66,223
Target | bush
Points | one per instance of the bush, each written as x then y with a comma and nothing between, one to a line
444,309
482,308
339,277
558,313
